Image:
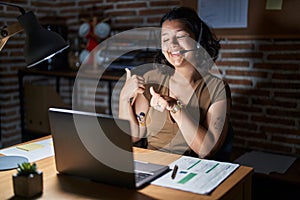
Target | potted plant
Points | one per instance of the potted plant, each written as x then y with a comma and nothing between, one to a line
28,182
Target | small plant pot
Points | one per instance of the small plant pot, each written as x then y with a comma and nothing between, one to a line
28,186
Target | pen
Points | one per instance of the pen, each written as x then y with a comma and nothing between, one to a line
174,171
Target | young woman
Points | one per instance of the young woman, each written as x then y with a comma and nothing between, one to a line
179,106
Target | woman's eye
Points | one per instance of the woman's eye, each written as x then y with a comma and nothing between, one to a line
182,36
166,40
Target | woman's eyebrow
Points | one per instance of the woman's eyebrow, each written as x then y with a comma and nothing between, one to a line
181,30
167,32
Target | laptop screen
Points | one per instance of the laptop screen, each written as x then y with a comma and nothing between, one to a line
94,146
97,147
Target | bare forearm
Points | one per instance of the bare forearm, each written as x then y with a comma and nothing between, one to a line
126,112
134,85
193,133
204,141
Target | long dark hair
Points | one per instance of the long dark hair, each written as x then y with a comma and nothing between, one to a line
201,30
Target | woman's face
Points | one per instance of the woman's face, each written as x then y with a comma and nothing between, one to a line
175,36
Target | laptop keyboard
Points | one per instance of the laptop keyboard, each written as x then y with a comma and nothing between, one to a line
139,176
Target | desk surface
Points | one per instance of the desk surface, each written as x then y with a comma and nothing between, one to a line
236,186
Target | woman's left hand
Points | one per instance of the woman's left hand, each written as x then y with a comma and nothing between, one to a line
160,102
157,101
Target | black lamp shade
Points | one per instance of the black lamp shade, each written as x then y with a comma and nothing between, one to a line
40,43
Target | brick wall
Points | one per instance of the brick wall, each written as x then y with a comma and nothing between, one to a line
263,74
265,81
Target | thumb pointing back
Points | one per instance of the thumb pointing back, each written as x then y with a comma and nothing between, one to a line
128,73
152,92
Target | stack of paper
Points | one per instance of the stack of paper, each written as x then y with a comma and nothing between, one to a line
196,175
32,151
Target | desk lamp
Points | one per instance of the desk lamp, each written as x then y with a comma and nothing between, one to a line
40,44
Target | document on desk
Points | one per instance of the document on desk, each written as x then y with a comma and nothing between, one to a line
196,175
32,151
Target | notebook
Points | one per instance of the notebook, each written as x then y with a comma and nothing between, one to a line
98,147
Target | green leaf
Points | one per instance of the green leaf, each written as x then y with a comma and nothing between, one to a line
26,168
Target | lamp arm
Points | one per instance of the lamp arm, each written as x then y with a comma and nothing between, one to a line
13,5
8,32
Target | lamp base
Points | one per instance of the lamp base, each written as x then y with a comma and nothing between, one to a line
11,162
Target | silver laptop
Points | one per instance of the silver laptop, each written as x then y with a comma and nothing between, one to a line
98,147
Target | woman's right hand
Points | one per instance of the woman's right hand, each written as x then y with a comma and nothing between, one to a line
133,86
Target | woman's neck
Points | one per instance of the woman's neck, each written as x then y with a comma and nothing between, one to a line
186,76
183,84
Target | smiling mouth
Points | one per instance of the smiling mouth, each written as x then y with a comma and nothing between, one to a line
176,53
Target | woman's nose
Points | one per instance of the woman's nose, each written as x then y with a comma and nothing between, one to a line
174,42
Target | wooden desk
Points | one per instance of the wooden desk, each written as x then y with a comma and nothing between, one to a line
237,186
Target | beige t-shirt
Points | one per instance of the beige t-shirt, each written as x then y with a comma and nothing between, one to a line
162,131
